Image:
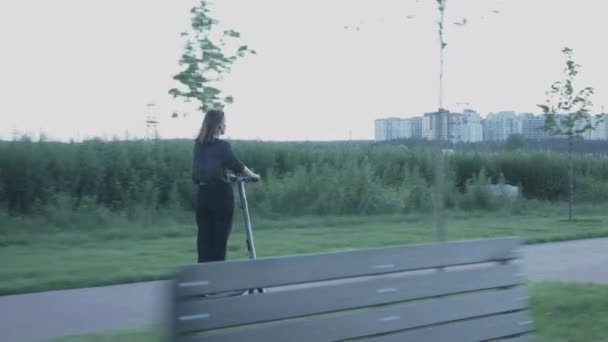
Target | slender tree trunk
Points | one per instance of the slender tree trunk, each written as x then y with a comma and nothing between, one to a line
442,45
570,178
438,203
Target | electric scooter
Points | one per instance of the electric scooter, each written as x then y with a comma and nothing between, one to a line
240,182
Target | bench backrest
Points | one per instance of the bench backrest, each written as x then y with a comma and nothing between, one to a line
454,291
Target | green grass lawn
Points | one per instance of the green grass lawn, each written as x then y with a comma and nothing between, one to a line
561,313
567,312
68,259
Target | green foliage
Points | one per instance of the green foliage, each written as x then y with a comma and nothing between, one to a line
477,195
515,142
115,175
567,110
592,190
567,114
138,179
206,59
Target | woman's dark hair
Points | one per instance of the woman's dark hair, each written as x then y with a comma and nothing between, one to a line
211,123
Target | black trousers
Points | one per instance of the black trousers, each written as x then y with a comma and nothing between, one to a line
214,212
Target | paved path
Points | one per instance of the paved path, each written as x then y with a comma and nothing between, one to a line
40,316
579,261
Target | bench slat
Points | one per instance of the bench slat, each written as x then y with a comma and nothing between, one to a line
524,338
304,301
278,271
480,329
373,321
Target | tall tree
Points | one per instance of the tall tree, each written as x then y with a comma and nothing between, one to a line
567,114
438,161
206,60
439,173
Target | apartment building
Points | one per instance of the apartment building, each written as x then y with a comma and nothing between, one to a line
435,125
499,126
470,127
392,128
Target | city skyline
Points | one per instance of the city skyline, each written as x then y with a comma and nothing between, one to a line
469,126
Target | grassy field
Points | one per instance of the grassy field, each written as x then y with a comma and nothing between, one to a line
80,258
561,313
570,312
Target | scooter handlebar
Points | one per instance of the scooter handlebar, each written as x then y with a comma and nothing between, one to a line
238,179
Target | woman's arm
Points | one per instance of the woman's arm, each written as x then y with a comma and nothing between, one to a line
234,164
250,174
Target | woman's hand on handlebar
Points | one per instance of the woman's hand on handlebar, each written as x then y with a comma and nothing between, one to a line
255,177
251,175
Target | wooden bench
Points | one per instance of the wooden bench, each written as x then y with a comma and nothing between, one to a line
454,291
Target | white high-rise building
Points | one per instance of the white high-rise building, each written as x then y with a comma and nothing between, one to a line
381,130
453,127
533,127
416,127
436,125
465,127
456,123
499,126
393,128
472,127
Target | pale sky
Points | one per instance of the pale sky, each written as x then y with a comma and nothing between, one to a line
81,68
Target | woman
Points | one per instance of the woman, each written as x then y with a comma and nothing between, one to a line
215,202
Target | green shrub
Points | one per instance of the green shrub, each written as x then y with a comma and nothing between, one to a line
138,179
